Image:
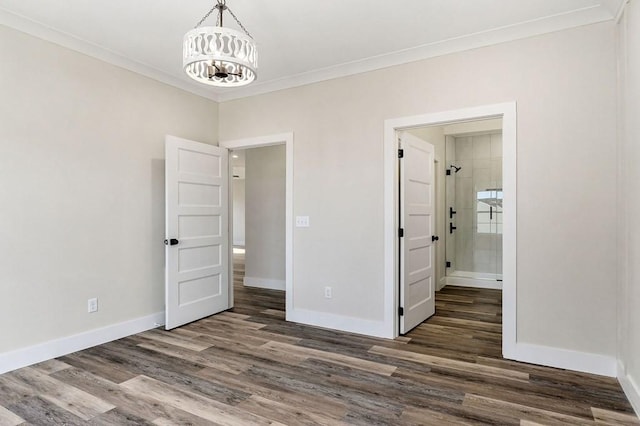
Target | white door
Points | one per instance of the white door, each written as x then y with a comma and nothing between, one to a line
417,250
197,243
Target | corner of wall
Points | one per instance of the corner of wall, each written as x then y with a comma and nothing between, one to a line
562,358
339,322
630,388
267,283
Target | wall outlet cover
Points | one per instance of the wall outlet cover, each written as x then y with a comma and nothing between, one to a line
92,305
302,221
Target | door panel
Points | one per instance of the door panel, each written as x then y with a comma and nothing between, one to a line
197,271
417,254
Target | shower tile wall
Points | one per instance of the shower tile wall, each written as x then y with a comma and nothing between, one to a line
481,160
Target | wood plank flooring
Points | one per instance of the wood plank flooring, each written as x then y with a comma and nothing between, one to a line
250,367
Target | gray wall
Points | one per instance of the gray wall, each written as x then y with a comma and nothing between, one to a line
238,212
628,205
265,217
564,86
82,172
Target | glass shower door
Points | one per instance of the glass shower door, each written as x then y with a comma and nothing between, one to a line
474,207
489,231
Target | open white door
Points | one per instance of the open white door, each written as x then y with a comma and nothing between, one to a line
417,254
197,244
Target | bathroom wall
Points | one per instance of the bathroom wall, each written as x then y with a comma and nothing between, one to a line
478,245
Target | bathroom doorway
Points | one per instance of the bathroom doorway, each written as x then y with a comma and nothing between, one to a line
507,113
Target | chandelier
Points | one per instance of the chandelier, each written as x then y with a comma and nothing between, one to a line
220,56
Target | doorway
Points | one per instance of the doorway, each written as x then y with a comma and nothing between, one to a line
506,112
284,140
258,230
463,245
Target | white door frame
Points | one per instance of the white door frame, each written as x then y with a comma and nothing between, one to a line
260,141
507,111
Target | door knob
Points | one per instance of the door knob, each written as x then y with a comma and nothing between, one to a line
171,242
451,228
434,238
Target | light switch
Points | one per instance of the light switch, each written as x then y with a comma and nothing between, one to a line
302,221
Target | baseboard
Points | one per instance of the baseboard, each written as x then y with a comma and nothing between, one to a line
562,358
473,283
54,348
264,283
339,322
630,388
441,284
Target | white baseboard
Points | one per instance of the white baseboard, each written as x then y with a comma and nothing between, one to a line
264,283
630,388
473,283
441,284
54,348
562,358
339,322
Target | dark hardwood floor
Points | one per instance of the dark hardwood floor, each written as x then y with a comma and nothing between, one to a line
249,366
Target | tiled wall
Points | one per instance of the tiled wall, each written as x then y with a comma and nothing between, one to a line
476,244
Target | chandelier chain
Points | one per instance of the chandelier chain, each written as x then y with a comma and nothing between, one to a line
224,7
239,23
204,18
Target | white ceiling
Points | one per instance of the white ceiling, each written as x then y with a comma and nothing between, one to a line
299,41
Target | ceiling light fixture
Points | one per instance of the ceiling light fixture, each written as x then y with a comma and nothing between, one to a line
220,56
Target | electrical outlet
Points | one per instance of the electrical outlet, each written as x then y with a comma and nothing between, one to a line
327,293
92,305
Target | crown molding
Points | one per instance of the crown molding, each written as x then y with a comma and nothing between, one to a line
548,24
622,6
36,29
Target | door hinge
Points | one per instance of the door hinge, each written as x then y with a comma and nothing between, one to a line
448,264
401,232
401,153
401,311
